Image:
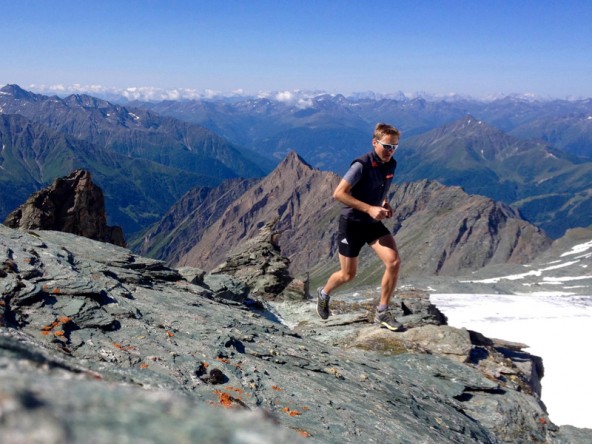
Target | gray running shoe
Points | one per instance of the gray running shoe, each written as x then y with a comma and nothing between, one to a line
322,305
385,319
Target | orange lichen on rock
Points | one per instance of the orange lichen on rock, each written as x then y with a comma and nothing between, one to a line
124,347
234,389
291,412
46,329
224,398
143,365
59,333
50,326
170,334
303,433
56,291
276,388
224,360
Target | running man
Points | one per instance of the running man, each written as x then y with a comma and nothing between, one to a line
364,193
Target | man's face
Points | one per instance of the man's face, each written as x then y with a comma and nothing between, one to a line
383,146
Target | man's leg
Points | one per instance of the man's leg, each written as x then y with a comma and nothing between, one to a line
345,274
349,267
386,249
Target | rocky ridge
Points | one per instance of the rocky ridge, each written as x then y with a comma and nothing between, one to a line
440,230
184,223
86,325
295,194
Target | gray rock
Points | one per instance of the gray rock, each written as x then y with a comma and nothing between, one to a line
193,275
226,286
442,340
258,263
97,342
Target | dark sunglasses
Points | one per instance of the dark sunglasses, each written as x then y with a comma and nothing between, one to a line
388,146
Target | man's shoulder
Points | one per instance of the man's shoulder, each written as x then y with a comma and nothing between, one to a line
364,158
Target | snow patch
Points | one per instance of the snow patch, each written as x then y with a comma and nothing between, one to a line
515,277
566,278
555,327
579,249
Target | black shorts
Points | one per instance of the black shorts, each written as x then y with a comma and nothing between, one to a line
353,235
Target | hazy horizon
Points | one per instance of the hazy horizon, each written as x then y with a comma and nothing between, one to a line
154,94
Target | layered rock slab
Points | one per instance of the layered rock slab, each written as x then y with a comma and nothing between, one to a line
126,326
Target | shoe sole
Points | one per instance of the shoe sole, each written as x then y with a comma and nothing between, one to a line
390,327
320,315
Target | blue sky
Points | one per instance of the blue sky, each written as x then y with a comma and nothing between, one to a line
473,47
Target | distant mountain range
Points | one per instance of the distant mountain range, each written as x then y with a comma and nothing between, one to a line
137,191
143,161
440,230
533,155
549,187
252,121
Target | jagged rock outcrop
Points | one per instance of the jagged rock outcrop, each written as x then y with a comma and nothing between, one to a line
73,204
258,263
96,341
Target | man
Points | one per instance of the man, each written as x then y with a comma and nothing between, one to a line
363,191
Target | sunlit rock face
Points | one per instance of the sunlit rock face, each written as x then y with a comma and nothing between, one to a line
73,204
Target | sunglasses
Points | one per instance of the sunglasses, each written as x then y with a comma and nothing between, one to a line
388,146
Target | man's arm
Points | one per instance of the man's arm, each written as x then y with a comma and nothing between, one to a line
342,194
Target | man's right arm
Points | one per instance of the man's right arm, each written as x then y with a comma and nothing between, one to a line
343,194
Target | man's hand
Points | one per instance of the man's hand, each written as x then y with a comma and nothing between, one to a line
379,213
386,205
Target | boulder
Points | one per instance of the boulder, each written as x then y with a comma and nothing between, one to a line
259,264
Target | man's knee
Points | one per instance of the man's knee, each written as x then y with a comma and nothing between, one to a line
348,275
394,264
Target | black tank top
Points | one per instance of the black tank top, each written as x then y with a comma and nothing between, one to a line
373,186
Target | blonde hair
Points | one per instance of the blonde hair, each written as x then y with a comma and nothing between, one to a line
383,129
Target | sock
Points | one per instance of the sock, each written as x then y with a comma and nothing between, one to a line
381,307
324,295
